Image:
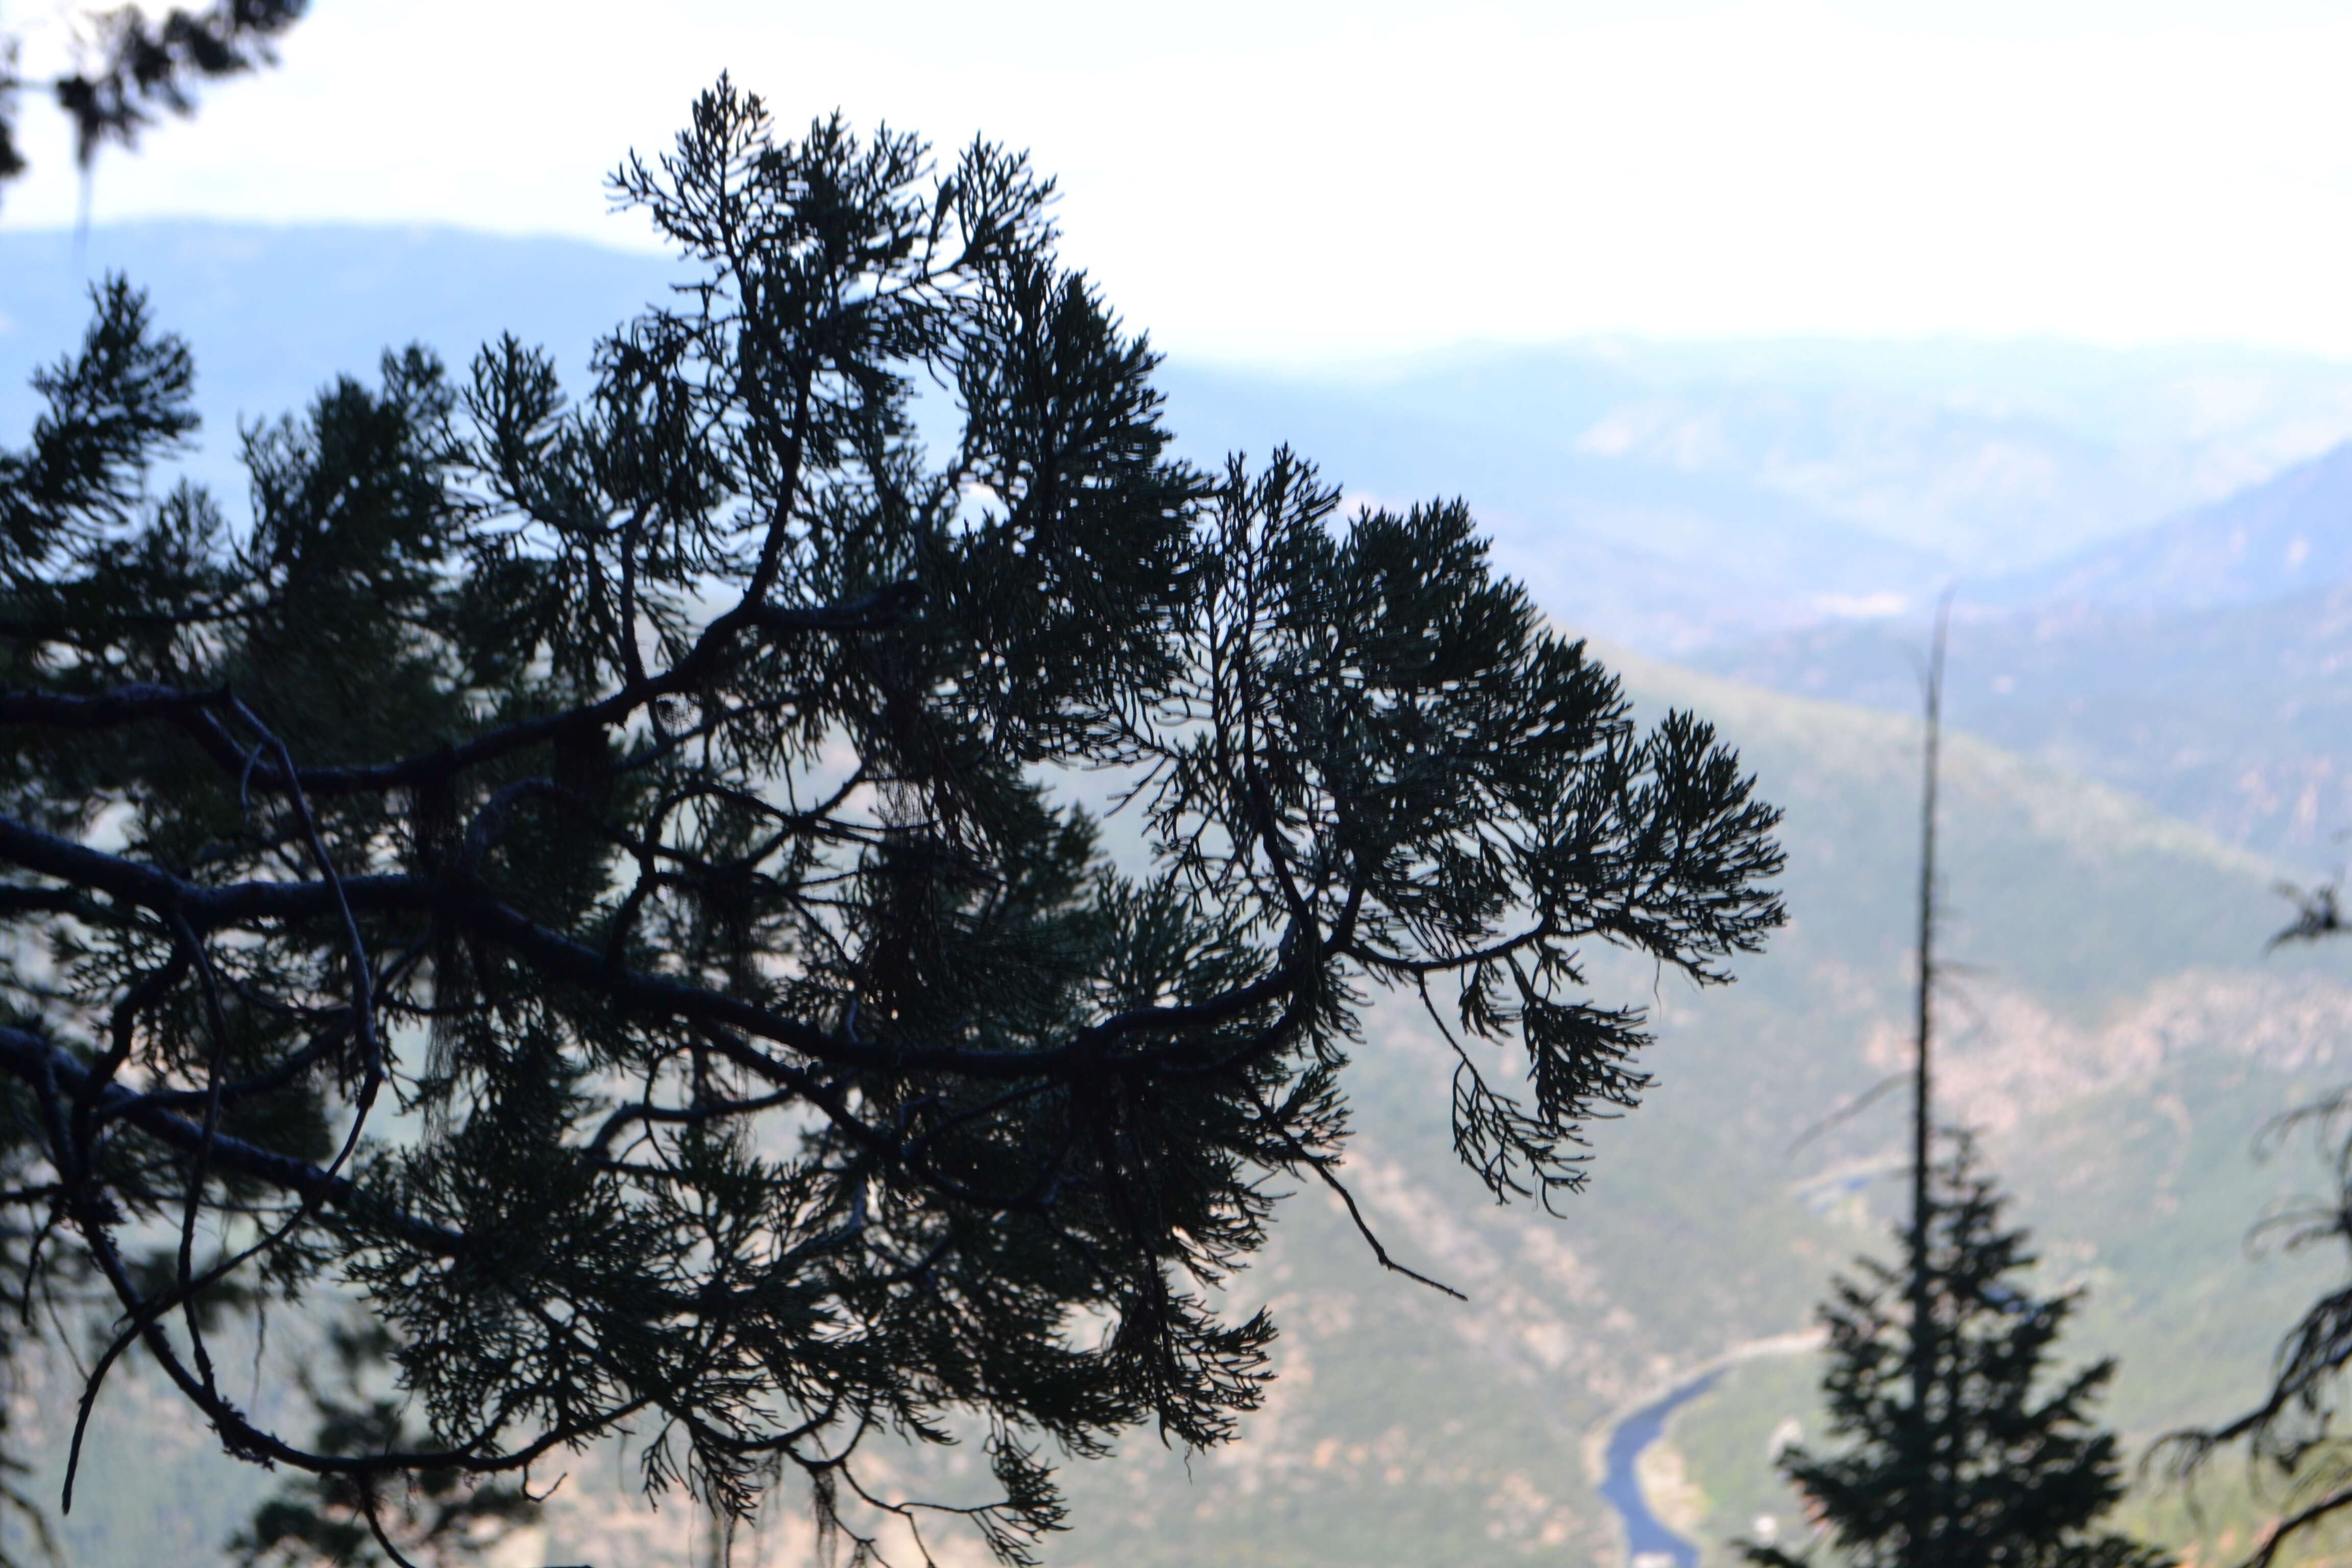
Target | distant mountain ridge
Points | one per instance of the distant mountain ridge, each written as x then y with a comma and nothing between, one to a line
274,313
2203,663
1673,496
1658,556
1994,455
2289,534
2237,717
1757,507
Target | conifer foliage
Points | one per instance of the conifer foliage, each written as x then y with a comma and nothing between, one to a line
2292,1437
136,66
655,796
2004,1463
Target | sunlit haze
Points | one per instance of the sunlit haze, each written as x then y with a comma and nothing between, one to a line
1266,182
1508,594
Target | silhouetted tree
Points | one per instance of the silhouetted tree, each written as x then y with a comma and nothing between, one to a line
2003,1467
2289,1436
656,796
135,67
1959,1458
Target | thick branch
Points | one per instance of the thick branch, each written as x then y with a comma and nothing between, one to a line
36,1062
564,957
879,611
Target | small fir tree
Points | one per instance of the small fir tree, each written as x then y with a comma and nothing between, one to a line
2003,1469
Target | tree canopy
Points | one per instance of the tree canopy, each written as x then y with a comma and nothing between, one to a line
134,67
1999,1465
587,890
2290,1436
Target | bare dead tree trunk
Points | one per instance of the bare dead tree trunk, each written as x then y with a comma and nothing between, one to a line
1922,1322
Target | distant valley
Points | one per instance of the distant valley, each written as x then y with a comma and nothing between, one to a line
2117,1035
2156,727
2203,663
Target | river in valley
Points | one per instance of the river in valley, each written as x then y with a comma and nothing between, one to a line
1648,1543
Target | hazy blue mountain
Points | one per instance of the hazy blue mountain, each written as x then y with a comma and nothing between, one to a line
2203,663
1657,555
2287,534
275,313
1654,555
272,311
1672,497
2238,718
1992,455
1747,496
1668,495
1677,496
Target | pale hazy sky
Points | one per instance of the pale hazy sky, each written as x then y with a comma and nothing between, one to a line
1263,180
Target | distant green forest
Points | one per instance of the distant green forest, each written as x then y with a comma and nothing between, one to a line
2118,816
2118,1036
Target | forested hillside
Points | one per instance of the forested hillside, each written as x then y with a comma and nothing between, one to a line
2120,1040
2116,1032
2203,663
2119,1037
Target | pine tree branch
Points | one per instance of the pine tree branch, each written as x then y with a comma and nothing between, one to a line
36,1063
886,610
